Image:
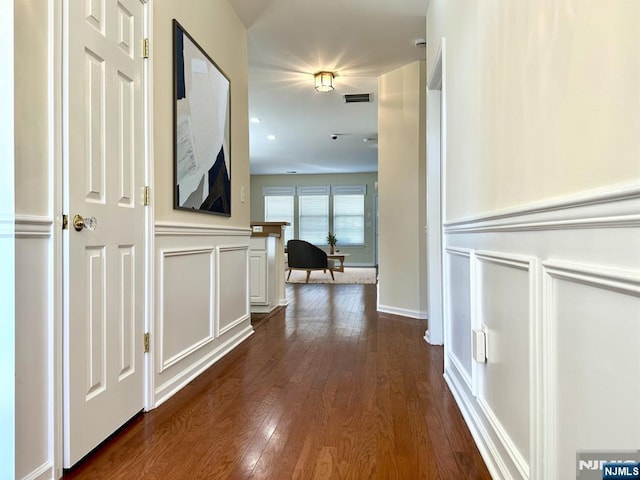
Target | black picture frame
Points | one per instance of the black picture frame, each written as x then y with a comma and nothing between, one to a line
201,128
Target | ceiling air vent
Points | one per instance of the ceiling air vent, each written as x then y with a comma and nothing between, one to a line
357,98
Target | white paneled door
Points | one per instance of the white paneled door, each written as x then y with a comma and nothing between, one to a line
104,243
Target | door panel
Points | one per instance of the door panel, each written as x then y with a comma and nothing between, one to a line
104,264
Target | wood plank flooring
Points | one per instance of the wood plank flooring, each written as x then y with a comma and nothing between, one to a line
325,389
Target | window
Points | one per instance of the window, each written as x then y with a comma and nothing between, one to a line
279,208
348,219
313,218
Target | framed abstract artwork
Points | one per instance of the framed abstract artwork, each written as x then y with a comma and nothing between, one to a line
201,119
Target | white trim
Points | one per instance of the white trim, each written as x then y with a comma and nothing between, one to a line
193,229
452,359
620,281
175,384
624,281
537,411
474,311
55,154
33,226
313,190
247,315
43,472
349,189
454,362
481,437
514,454
521,262
613,207
279,191
461,252
178,252
404,312
527,264
436,196
149,234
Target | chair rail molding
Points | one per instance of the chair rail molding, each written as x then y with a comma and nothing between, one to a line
196,229
33,226
613,207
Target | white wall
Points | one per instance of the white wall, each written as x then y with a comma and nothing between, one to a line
34,422
201,306
218,30
542,227
401,186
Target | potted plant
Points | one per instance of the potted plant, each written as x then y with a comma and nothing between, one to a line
331,240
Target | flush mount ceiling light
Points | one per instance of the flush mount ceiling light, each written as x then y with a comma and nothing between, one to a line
324,81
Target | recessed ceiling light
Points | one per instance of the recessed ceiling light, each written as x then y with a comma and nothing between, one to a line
271,137
255,120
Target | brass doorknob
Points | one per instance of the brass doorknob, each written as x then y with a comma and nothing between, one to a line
80,223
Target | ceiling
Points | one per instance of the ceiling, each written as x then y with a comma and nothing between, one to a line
289,41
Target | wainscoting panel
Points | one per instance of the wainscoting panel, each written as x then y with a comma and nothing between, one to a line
34,347
186,317
504,286
458,312
556,287
592,357
201,301
233,286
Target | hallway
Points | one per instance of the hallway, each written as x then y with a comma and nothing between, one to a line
326,388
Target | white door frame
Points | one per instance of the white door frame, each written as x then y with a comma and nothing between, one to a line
57,80
436,198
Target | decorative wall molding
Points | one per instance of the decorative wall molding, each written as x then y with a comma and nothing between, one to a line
529,265
516,457
33,226
454,362
481,436
614,207
193,229
177,382
623,281
467,376
245,315
616,281
166,363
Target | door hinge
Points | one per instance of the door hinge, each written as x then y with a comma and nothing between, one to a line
146,196
146,342
65,221
145,48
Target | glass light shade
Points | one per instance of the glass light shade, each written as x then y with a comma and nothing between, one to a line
324,81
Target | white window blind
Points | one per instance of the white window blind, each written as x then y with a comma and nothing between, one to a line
279,208
313,218
348,219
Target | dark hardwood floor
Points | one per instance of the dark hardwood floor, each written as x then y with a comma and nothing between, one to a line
325,389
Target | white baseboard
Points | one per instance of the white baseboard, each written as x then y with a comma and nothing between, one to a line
165,391
43,472
481,437
404,312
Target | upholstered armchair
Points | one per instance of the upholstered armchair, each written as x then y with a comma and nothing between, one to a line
306,256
